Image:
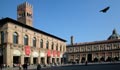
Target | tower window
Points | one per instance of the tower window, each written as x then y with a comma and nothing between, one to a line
29,15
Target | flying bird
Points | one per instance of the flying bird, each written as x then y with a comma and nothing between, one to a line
105,9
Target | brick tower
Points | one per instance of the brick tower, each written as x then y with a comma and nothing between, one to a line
25,13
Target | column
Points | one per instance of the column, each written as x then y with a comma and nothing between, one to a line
8,55
112,53
50,59
22,59
55,60
60,60
86,57
45,60
31,59
39,60
11,62
80,58
105,56
92,56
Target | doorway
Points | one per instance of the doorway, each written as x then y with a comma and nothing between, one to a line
48,60
89,58
34,60
42,60
27,60
16,59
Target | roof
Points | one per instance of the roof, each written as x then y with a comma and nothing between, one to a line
5,20
114,35
94,43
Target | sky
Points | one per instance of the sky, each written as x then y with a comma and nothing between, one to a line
66,18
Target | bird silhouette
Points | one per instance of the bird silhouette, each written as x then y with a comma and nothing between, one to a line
105,9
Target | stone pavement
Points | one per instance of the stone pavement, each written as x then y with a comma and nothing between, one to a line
90,66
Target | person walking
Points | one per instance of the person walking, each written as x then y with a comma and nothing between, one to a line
86,63
25,66
38,67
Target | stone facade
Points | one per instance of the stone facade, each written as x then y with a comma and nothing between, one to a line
21,43
106,50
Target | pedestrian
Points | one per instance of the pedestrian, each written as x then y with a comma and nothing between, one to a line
20,67
38,67
25,66
86,63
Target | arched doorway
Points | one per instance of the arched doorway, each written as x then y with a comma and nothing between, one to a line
102,59
42,60
77,60
109,59
35,60
89,58
95,59
83,60
27,60
48,60
116,58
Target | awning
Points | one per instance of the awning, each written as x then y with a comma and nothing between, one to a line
42,54
61,55
27,50
54,53
35,54
48,53
16,53
58,53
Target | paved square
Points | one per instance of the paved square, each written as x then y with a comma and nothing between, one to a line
88,67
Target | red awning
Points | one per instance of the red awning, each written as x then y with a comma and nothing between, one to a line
54,53
58,53
27,50
48,53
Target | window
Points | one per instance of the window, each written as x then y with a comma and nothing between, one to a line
116,45
61,48
41,43
52,46
25,40
15,38
47,44
34,42
57,47
2,37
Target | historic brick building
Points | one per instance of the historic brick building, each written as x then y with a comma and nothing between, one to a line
106,50
20,42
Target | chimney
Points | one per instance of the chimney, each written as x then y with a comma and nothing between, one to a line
72,38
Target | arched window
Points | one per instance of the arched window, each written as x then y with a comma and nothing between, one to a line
57,47
41,43
61,48
25,40
34,42
2,37
52,47
15,38
47,44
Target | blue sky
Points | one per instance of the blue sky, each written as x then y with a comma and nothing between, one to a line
63,18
